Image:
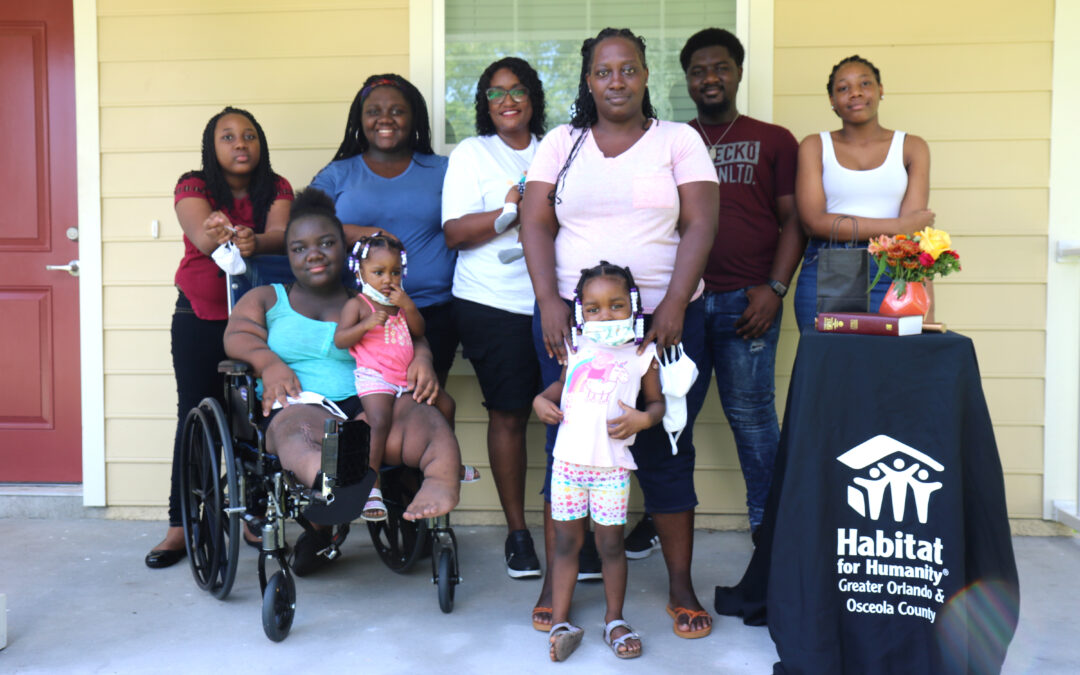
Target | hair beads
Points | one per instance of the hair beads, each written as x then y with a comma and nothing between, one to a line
354,258
639,316
579,319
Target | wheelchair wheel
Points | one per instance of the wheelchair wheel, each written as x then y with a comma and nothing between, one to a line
279,606
208,487
399,542
446,577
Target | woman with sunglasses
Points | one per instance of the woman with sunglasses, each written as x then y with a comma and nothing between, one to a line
493,297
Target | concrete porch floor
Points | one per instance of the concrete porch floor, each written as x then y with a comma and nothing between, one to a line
80,600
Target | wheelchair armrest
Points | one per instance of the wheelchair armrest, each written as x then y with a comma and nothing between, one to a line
234,367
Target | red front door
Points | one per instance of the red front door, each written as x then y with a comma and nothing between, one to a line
40,420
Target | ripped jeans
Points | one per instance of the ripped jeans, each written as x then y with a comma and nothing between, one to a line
745,378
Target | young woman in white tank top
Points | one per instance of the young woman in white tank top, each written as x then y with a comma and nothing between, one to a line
879,176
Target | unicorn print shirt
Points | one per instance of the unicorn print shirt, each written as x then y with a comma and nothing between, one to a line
597,378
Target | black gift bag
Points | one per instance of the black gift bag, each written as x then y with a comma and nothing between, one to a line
842,274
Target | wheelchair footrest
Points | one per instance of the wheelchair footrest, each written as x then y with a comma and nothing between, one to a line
347,505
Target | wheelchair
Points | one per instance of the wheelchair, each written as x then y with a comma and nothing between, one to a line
228,480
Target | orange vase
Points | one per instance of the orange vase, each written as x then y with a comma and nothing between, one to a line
914,301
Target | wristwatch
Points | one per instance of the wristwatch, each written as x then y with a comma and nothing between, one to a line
778,288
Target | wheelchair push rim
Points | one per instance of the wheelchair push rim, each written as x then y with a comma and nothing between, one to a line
208,489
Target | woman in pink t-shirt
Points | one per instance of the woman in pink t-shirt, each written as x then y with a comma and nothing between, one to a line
618,184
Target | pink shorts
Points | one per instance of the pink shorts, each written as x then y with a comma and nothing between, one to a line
578,491
369,381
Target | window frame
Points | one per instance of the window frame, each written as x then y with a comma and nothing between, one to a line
427,60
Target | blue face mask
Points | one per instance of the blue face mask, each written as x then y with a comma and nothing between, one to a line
611,333
374,293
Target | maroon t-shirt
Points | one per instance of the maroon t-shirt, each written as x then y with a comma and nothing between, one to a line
755,162
198,276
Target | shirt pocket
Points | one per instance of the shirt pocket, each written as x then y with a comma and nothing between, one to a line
654,191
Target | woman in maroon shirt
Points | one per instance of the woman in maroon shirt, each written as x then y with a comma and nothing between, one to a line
235,197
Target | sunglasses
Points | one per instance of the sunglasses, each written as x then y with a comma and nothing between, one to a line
517,95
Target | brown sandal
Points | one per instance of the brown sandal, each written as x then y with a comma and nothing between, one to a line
692,614
537,625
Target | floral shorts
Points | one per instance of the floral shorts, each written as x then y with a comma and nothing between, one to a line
369,381
577,490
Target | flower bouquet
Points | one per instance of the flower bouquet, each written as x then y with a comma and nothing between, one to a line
912,259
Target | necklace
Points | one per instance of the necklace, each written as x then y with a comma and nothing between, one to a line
713,146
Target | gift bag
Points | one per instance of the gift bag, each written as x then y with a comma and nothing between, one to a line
842,274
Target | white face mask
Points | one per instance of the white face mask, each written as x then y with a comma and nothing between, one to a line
374,293
611,333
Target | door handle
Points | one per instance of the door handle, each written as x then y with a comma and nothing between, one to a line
71,268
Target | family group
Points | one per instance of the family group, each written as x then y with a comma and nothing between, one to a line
568,264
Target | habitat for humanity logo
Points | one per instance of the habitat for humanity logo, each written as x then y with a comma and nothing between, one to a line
906,472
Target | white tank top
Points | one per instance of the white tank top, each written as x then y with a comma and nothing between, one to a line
874,193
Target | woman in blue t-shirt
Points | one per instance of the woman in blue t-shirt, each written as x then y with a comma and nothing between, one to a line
386,178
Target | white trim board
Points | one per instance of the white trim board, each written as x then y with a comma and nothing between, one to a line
91,321
1061,441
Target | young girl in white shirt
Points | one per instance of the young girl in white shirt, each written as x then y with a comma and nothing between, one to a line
593,402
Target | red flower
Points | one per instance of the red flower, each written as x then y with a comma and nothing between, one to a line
926,260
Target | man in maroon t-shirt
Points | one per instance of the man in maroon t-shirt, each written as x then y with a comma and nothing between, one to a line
757,248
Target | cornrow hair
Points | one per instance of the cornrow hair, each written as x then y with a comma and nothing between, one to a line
528,77
314,203
607,269
355,142
262,188
584,113
854,58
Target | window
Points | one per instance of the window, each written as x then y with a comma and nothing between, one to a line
548,34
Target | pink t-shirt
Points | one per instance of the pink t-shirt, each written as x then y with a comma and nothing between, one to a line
597,378
622,209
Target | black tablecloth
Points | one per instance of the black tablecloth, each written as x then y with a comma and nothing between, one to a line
886,545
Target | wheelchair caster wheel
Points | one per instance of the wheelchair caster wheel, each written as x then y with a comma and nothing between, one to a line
446,579
279,606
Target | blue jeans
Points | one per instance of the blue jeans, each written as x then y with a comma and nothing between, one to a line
745,378
666,480
806,292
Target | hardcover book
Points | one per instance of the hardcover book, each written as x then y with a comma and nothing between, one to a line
865,323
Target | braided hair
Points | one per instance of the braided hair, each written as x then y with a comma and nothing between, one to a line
606,269
361,248
528,77
355,142
314,203
262,188
584,113
854,58
584,108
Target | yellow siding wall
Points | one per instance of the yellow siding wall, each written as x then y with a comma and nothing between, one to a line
973,78
165,68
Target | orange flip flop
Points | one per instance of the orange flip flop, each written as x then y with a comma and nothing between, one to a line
539,626
692,614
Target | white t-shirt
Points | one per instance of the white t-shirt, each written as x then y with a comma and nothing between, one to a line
597,378
622,209
481,171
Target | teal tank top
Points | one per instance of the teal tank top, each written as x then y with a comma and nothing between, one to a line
307,346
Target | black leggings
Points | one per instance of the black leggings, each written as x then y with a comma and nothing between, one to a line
197,347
